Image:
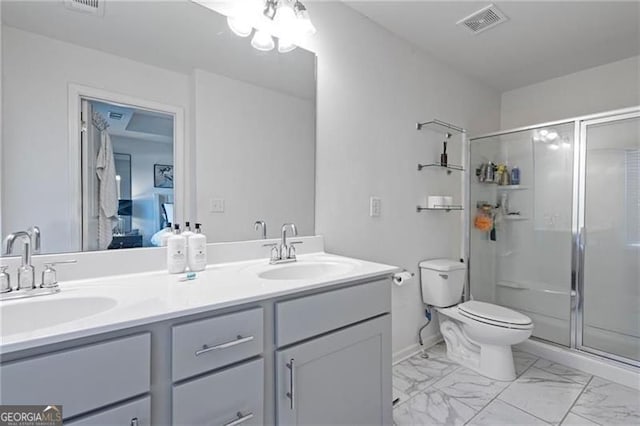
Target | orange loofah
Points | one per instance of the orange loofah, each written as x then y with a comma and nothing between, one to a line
483,222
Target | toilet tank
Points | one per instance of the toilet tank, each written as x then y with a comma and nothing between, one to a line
442,281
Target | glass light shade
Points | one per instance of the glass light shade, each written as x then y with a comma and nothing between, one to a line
285,20
285,45
305,26
263,41
239,26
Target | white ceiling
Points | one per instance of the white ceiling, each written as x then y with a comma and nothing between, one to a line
541,39
178,35
135,123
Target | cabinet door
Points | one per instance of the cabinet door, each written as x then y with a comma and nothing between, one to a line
340,378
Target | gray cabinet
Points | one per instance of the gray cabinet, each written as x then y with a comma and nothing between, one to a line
231,397
339,378
81,379
136,413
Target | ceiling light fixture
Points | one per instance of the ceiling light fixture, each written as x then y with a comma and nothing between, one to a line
263,41
288,20
239,26
285,45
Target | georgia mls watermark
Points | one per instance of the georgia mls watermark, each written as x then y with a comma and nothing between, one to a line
30,415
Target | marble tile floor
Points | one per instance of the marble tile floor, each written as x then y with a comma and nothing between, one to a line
437,391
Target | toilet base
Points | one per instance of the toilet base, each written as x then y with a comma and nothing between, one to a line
493,361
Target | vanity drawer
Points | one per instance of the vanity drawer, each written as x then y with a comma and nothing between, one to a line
309,316
230,397
81,379
135,413
215,342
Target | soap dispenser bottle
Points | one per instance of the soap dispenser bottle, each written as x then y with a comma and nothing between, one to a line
197,250
187,232
176,252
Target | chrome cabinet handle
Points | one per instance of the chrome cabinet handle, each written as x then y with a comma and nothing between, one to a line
241,419
292,383
134,421
239,340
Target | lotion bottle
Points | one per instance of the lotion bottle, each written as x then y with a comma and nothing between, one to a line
176,252
197,249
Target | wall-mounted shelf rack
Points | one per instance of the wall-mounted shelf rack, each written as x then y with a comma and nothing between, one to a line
448,167
438,207
440,127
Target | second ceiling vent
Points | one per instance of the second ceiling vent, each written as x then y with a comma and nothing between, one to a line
482,20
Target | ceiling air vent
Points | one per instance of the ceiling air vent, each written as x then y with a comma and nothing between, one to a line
93,7
485,18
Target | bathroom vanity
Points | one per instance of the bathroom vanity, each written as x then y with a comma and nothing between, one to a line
244,343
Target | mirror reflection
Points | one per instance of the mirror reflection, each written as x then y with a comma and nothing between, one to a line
119,122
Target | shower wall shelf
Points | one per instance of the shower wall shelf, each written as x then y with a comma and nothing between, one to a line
511,187
439,208
440,127
448,167
514,217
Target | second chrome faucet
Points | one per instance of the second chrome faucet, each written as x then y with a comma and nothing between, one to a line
283,252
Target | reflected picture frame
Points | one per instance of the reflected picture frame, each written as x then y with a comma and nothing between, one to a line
163,176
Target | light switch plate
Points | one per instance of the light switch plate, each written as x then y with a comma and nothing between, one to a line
375,206
216,205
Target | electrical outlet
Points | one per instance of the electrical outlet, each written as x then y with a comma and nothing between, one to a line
216,205
375,206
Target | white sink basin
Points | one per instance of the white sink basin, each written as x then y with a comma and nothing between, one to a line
305,270
36,314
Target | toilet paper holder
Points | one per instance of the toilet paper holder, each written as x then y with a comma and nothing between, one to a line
400,277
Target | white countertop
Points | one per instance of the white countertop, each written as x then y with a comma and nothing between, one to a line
137,299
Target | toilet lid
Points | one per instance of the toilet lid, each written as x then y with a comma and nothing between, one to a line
489,311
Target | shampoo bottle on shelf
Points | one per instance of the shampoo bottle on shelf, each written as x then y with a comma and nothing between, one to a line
197,249
176,252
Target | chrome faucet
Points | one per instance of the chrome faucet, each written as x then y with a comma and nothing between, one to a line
261,224
26,272
283,252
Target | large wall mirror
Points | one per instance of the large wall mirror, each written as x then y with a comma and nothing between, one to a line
118,121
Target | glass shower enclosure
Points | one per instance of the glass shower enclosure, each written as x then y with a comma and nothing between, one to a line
555,229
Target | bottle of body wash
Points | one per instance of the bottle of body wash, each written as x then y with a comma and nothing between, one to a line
176,252
197,249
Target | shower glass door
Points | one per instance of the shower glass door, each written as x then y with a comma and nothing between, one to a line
608,317
521,229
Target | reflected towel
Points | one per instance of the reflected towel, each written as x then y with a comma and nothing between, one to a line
107,192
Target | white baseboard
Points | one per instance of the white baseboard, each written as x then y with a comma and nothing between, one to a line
627,376
414,349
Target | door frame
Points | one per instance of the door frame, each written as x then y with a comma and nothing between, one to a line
76,93
579,246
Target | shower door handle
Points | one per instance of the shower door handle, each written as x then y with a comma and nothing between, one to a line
582,239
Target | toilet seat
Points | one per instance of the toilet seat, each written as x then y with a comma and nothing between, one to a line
495,315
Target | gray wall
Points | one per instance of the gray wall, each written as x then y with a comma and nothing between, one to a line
607,87
372,89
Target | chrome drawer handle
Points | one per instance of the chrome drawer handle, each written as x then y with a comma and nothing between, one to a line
240,340
241,419
292,383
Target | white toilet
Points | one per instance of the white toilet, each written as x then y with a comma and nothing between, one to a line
478,335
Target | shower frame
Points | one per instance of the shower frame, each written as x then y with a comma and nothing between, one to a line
579,173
